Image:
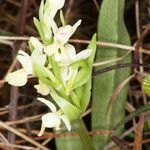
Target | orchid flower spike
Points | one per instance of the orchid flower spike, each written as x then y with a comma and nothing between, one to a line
19,77
52,119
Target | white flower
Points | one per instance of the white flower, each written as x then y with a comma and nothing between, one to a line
64,33
66,54
19,77
69,56
51,49
56,4
37,45
25,61
53,6
60,39
52,119
42,88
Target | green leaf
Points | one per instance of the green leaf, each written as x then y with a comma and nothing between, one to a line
31,46
69,110
56,68
39,28
83,76
111,28
75,100
92,46
62,18
49,74
86,90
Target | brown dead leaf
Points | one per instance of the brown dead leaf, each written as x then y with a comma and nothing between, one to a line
117,91
138,134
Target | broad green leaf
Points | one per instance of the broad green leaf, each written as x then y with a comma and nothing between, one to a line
111,28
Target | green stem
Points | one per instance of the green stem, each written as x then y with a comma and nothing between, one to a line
81,129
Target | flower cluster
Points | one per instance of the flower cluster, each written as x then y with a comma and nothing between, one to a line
62,73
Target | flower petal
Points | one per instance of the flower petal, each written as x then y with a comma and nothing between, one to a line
39,59
48,104
54,27
64,74
17,78
36,44
57,56
51,49
42,130
70,52
25,60
53,6
83,54
56,4
63,34
51,120
42,88
66,122
76,25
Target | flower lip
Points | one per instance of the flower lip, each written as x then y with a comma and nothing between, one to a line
52,119
42,88
17,78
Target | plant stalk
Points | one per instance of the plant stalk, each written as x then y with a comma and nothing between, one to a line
81,129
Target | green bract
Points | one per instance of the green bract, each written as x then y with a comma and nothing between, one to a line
62,73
